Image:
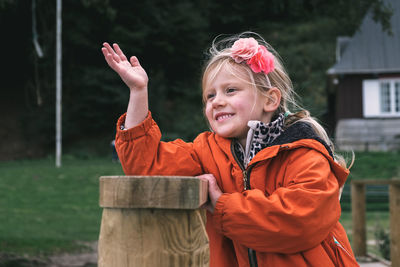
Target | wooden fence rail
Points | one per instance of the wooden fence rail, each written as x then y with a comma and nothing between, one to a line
152,221
377,197
358,192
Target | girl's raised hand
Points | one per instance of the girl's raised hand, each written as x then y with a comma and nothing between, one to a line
133,75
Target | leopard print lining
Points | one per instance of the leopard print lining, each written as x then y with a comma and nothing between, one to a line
260,136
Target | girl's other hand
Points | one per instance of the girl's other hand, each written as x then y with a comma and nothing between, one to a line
133,75
214,192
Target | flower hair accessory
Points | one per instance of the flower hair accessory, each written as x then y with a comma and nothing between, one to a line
256,56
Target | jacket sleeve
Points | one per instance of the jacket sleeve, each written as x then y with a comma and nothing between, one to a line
142,153
294,218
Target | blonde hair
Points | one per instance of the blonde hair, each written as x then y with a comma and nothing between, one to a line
220,57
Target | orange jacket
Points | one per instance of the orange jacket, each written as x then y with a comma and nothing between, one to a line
289,217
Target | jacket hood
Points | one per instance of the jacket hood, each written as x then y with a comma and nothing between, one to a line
301,134
297,131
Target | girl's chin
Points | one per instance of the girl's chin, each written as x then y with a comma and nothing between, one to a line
226,135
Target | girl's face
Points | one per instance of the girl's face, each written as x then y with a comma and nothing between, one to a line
230,103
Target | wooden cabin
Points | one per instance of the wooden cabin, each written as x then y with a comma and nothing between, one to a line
366,85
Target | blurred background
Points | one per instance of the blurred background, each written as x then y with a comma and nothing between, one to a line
46,210
171,39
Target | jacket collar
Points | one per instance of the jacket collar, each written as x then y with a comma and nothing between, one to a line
298,135
259,136
297,131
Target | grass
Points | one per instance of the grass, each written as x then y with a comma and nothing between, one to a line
374,221
375,165
44,209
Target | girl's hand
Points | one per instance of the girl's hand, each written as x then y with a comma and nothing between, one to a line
214,192
133,75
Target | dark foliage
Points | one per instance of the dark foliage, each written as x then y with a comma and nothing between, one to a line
383,241
170,39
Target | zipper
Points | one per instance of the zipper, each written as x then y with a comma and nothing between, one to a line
246,173
252,257
340,246
246,177
251,253
245,180
246,184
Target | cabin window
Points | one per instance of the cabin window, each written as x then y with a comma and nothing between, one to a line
397,96
381,98
385,97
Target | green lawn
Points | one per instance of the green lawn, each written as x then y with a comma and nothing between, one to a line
375,221
44,209
375,165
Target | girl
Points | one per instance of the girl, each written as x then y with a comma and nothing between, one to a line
273,176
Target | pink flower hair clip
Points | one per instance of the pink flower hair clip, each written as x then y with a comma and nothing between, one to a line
255,55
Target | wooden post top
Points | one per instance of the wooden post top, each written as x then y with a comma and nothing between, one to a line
394,181
163,192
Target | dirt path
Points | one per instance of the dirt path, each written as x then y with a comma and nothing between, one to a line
89,259
81,259
85,259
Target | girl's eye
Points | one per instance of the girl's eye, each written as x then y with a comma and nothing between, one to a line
230,90
209,96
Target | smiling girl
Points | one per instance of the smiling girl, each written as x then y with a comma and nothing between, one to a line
273,176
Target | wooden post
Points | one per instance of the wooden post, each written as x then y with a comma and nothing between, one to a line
394,204
153,221
358,216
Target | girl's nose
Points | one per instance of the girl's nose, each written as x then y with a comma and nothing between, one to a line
219,100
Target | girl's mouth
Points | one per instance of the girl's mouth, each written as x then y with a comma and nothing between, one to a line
223,116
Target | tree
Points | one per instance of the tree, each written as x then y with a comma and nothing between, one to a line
170,38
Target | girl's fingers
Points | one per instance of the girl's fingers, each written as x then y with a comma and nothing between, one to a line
212,183
134,61
206,176
108,47
117,55
119,52
111,51
116,58
104,51
106,55
109,58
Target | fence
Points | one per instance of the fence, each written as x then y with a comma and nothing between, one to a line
376,195
358,204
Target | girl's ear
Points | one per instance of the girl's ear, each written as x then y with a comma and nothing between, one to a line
273,100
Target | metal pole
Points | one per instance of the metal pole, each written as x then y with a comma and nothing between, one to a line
58,86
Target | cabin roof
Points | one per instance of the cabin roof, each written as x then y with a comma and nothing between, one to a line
370,50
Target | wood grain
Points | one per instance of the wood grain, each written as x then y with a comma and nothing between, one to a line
164,192
153,237
358,217
153,221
